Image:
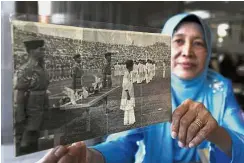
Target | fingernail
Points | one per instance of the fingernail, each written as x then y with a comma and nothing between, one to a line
74,149
191,145
173,135
77,144
180,144
59,151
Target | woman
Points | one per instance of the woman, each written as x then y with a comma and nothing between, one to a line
205,112
128,99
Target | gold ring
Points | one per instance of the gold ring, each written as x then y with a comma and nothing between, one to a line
198,122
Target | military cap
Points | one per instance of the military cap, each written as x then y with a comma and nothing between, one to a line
108,54
33,44
76,56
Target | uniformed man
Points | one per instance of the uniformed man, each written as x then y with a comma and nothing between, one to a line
30,98
77,73
107,78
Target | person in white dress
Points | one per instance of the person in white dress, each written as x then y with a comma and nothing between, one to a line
144,70
148,72
128,98
154,68
116,69
151,73
140,72
164,69
135,72
124,68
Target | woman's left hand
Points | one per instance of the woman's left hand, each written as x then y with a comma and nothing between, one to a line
192,123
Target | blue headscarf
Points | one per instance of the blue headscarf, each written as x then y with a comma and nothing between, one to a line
192,89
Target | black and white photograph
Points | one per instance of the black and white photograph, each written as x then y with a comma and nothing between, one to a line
72,83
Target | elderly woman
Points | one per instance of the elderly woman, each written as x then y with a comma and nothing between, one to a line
205,112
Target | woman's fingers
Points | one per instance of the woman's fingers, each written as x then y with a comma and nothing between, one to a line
204,133
192,131
192,123
54,155
79,149
200,121
185,122
76,154
83,158
68,159
176,117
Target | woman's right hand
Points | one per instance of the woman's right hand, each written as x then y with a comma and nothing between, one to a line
76,153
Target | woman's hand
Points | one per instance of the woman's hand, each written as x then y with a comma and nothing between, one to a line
192,123
76,153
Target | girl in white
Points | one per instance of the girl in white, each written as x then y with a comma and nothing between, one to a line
164,69
148,72
141,72
135,72
128,98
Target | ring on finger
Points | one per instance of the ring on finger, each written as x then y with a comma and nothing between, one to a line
198,122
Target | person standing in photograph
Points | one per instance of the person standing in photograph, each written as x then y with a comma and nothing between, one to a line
107,79
164,68
135,72
116,73
128,99
56,68
77,73
62,67
144,70
52,74
154,68
30,98
140,72
148,71
116,69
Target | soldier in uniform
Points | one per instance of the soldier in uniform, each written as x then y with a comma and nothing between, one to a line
107,79
30,98
77,73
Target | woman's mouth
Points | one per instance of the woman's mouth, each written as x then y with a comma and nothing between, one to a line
187,65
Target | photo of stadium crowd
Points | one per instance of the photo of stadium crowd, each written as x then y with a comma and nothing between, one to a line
72,84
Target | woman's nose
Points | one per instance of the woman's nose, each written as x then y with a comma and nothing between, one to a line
187,50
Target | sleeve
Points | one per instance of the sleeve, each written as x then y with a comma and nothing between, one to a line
46,102
121,150
74,72
21,84
126,85
233,122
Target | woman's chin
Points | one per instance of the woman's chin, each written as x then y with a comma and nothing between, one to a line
185,75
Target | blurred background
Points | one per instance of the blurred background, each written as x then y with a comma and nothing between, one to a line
225,18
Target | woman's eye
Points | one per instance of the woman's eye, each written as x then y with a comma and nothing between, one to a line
198,43
179,41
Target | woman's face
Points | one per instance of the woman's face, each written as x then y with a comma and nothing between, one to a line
189,52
